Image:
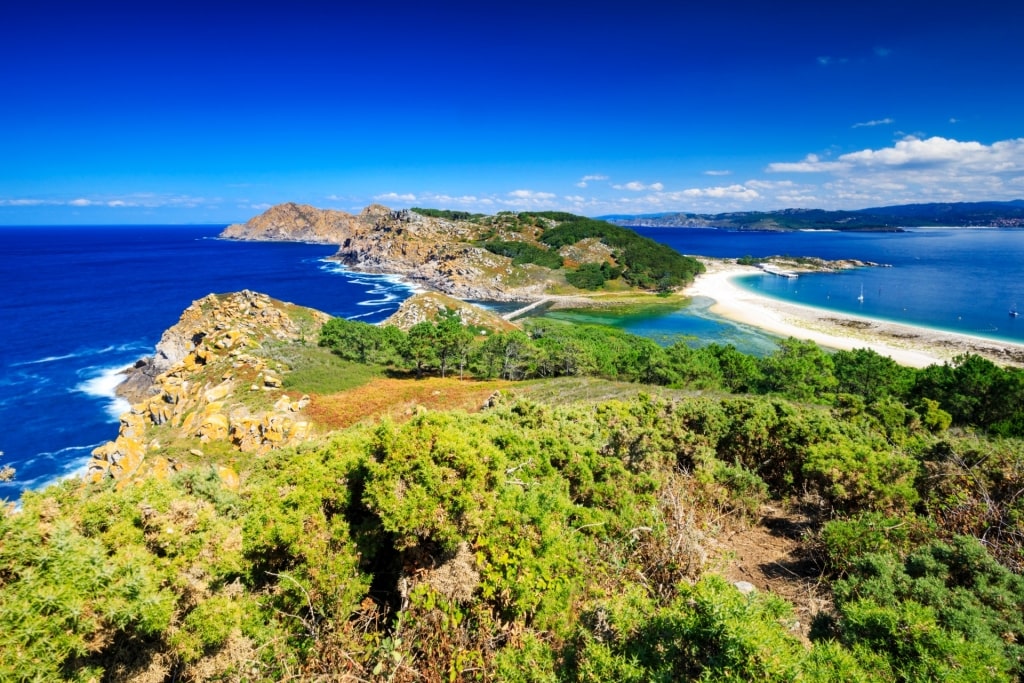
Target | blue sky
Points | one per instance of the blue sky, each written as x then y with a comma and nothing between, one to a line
189,112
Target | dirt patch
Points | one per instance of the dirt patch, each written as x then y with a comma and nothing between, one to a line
399,399
771,556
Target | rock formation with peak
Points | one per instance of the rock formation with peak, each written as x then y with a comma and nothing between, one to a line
431,305
213,380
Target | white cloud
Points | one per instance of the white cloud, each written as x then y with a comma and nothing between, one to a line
395,197
147,200
21,202
741,192
999,157
717,173
768,185
589,178
812,163
637,186
530,194
916,169
874,122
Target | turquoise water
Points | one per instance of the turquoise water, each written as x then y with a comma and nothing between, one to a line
694,325
960,280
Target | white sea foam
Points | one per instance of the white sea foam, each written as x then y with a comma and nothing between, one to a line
47,359
371,279
101,384
73,468
388,298
84,353
365,315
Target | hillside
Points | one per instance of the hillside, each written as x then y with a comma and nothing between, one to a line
505,257
303,498
878,219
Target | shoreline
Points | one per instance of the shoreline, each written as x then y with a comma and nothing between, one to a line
906,344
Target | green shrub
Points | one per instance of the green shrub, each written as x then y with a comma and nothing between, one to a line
845,540
854,475
946,612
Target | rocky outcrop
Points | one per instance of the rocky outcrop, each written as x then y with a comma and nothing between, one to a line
441,255
430,305
292,222
211,382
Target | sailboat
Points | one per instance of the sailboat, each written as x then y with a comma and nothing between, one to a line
861,297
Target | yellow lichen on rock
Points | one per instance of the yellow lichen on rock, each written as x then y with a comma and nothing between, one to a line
194,383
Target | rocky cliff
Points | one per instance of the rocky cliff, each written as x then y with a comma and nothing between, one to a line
213,384
292,222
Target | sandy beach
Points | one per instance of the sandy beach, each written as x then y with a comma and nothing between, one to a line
906,344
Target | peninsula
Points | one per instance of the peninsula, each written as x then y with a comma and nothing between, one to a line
506,257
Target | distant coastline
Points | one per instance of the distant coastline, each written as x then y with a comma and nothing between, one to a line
878,219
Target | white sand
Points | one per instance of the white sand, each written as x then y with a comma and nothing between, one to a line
905,344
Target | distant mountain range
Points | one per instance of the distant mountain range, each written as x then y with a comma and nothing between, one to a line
880,219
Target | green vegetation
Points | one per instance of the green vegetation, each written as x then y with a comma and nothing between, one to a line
555,539
524,252
639,262
646,263
448,214
970,392
318,371
592,275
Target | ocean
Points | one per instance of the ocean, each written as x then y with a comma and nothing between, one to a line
81,303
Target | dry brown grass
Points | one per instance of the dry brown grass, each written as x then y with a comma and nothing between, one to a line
399,399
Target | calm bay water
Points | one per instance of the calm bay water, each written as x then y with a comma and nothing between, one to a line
960,280
79,304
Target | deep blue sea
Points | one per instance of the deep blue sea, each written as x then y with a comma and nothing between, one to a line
78,304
